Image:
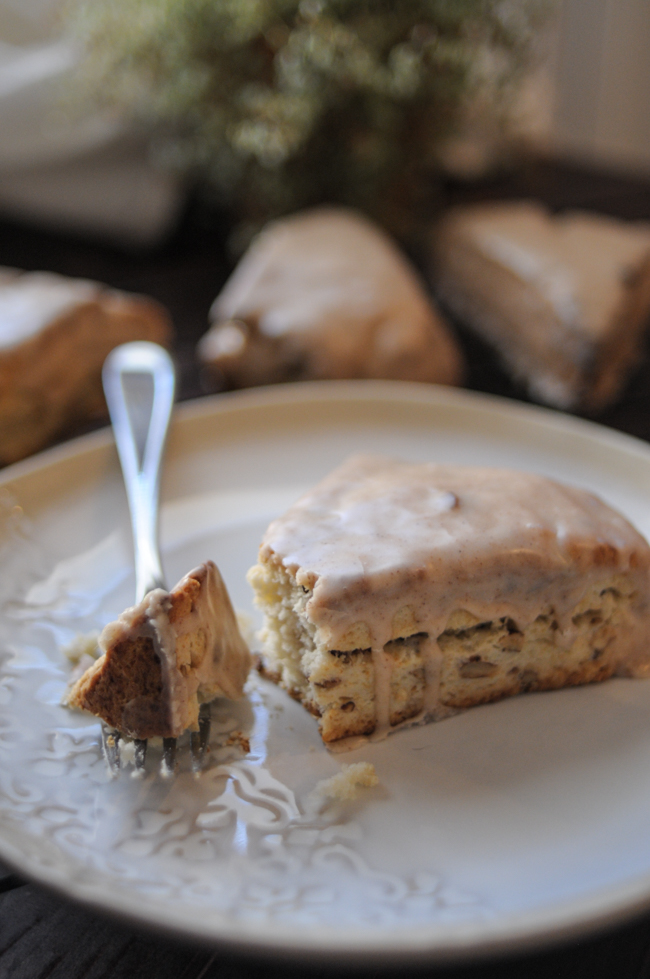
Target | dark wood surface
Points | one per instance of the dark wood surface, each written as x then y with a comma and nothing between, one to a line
45,937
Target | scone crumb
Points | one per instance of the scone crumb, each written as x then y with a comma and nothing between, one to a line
239,740
127,751
83,644
345,785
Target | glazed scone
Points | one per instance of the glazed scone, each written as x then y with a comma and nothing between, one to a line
326,294
55,334
398,592
563,298
164,657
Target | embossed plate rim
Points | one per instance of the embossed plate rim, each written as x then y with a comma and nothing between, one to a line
451,941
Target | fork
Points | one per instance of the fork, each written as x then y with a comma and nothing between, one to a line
139,383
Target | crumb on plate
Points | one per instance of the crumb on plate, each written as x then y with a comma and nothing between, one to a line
345,785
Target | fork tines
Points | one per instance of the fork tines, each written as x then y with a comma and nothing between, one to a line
198,745
168,762
139,755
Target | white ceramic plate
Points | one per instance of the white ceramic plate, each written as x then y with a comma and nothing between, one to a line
514,823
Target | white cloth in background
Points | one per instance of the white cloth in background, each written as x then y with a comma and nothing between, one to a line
82,173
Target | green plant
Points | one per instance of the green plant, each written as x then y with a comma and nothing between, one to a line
276,104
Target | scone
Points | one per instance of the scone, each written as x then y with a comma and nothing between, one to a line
563,298
326,294
55,334
164,657
397,592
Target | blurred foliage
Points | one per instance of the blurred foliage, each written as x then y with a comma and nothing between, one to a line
277,104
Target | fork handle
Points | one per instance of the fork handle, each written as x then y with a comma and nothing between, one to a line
139,386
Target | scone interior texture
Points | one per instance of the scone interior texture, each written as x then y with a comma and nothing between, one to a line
164,657
55,334
396,593
564,298
327,294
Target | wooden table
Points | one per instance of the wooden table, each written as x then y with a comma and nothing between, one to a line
45,937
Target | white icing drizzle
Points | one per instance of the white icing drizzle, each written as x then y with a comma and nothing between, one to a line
546,272
330,286
315,269
30,302
383,671
577,261
432,657
377,535
383,667
157,625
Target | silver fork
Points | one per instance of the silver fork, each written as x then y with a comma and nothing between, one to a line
139,385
